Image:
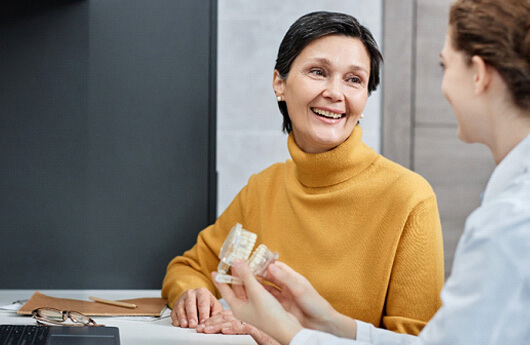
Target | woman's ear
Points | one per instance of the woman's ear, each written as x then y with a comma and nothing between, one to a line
482,72
277,84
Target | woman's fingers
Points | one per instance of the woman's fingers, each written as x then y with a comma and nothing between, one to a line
220,321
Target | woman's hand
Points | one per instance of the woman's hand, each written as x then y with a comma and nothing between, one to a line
251,303
226,323
184,313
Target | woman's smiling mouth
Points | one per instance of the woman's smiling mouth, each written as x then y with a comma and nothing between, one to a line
327,114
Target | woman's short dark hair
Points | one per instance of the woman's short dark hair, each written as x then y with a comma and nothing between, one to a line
315,25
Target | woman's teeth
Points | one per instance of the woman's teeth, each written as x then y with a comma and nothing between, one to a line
326,113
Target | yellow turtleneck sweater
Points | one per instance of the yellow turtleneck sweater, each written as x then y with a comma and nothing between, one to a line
363,230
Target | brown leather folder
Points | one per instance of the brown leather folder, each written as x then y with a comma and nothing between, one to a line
150,306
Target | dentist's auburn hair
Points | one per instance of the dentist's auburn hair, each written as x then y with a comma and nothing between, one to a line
315,25
498,32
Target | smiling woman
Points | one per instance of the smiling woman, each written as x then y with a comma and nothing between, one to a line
362,229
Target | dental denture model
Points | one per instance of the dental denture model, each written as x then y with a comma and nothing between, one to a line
238,245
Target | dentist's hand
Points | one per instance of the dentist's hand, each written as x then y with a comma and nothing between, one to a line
299,298
251,303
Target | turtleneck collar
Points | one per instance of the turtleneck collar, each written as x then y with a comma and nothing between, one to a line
333,166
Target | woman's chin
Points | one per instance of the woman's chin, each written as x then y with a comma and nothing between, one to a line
327,143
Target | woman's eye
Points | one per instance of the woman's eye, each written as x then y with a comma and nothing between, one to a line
318,72
354,80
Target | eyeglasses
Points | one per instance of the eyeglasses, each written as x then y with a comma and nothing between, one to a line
58,317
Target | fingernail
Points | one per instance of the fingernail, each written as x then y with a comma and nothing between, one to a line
273,269
193,323
209,328
183,322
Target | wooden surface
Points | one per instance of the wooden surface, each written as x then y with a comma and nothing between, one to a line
397,86
458,173
420,131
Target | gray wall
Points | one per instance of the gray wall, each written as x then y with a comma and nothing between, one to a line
249,136
107,127
107,132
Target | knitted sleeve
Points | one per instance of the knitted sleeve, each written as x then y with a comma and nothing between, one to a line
192,269
418,272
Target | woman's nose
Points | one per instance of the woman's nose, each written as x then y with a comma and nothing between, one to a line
333,89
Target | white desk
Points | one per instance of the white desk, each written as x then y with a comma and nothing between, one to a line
132,332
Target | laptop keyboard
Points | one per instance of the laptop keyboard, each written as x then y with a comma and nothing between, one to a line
23,335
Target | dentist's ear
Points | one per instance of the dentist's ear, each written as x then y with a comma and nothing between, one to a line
483,74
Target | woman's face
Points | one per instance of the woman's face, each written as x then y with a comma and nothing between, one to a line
459,89
325,91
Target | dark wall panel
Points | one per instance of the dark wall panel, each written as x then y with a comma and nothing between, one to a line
106,123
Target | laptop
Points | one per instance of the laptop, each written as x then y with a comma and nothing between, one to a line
58,335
